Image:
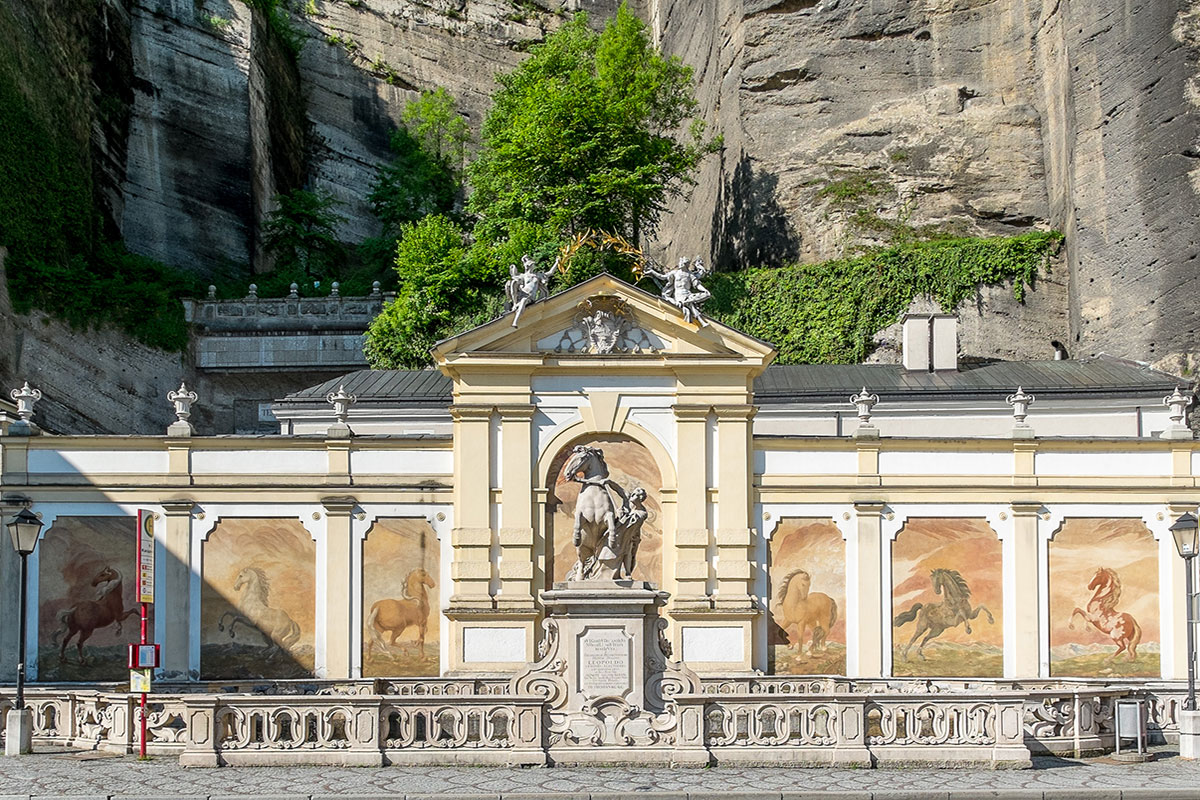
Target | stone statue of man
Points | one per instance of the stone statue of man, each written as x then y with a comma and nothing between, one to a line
681,287
526,287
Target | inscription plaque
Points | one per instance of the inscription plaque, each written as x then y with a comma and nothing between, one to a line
604,662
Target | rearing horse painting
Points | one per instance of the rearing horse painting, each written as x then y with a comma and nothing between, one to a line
84,618
1102,613
934,619
254,611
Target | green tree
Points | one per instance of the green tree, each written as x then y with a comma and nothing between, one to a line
592,131
301,234
425,174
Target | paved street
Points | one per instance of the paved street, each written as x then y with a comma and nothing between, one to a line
48,775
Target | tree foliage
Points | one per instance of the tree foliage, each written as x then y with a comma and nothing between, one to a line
425,174
586,133
301,234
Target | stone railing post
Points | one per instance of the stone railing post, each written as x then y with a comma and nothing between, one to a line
201,745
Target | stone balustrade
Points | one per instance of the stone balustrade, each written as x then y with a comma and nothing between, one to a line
282,332
469,721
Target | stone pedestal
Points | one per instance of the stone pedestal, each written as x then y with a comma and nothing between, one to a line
18,733
1189,734
604,667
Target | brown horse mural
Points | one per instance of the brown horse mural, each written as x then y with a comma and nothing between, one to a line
87,602
806,574
86,616
400,604
1104,599
947,599
1101,612
802,610
394,616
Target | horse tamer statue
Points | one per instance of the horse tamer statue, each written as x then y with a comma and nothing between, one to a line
606,538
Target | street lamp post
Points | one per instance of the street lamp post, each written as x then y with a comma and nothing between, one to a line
24,529
1186,531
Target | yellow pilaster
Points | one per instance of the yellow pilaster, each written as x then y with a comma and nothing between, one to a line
1024,453
471,539
1027,622
691,532
867,635
338,580
735,555
516,509
173,595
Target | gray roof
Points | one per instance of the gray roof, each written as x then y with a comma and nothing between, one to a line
1097,377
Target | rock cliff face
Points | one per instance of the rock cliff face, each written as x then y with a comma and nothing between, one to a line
980,116
844,122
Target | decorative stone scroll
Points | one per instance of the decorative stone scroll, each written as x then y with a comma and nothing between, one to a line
605,674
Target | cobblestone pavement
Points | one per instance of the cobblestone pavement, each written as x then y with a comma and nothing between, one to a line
51,775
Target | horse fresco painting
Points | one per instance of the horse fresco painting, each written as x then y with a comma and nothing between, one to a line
947,599
630,466
87,602
807,576
401,599
1104,599
257,600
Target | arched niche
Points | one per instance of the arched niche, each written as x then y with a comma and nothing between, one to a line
948,594
630,464
258,600
1108,569
87,598
806,581
401,579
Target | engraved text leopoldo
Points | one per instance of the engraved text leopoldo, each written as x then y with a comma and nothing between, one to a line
604,661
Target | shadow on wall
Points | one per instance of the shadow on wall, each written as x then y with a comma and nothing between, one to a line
750,227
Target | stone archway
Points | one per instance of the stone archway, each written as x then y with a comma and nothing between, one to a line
630,464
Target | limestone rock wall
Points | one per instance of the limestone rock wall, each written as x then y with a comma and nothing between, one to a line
977,117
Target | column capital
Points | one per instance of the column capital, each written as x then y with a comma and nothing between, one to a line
691,413
516,411
339,506
463,412
872,508
1026,508
178,508
735,412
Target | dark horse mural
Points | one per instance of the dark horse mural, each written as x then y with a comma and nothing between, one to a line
934,619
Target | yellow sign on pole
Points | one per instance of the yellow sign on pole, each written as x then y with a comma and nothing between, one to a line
139,680
145,556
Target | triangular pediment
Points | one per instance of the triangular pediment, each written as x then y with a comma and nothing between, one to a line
603,317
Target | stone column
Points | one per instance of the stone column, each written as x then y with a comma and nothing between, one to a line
691,526
516,509
735,553
865,634
1027,623
471,569
174,595
1172,584
339,599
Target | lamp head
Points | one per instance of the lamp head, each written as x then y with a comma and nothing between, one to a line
1186,531
24,529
